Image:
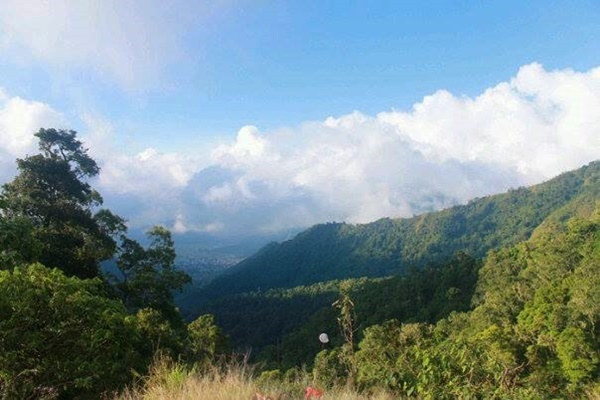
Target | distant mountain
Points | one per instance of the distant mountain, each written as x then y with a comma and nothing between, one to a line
389,246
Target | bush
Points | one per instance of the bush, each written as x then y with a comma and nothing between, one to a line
61,336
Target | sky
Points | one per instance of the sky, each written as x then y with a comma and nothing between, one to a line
244,117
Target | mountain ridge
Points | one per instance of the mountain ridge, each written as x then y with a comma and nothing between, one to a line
389,246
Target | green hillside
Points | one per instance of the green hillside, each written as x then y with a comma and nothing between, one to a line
431,262
533,332
520,323
281,325
389,246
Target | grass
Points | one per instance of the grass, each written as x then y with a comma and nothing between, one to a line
228,381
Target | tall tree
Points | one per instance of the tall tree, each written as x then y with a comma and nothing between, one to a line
52,192
148,275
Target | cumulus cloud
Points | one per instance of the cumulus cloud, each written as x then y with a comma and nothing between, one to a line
354,169
145,186
540,122
129,41
447,149
147,172
19,120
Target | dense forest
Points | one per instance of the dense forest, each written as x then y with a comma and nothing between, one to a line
533,331
281,325
498,298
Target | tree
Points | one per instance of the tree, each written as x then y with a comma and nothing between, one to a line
51,191
61,334
158,336
346,321
205,340
330,369
148,276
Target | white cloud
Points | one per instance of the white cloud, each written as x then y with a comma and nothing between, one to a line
148,172
355,167
249,148
447,149
129,41
540,122
19,120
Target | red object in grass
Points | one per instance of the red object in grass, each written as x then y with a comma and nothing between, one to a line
312,392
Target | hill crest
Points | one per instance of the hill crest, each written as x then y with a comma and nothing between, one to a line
389,246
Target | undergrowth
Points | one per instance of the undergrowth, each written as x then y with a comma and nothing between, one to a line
231,380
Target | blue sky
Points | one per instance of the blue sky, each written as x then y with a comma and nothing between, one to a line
280,63
178,86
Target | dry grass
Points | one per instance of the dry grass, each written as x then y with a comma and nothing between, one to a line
233,381
169,380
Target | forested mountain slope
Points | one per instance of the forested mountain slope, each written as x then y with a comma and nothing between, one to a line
533,332
389,246
281,325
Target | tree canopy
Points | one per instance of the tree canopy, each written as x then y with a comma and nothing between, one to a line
51,191
147,277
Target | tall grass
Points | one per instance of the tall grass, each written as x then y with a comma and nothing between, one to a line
234,380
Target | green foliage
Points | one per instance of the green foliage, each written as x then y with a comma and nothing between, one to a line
578,354
64,337
63,146
283,324
532,335
18,244
148,276
346,322
158,335
390,355
70,337
51,192
61,336
330,368
205,340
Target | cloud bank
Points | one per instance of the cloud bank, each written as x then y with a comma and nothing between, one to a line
447,149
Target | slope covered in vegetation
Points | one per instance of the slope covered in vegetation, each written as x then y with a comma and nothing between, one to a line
390,246
532,332
281,325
